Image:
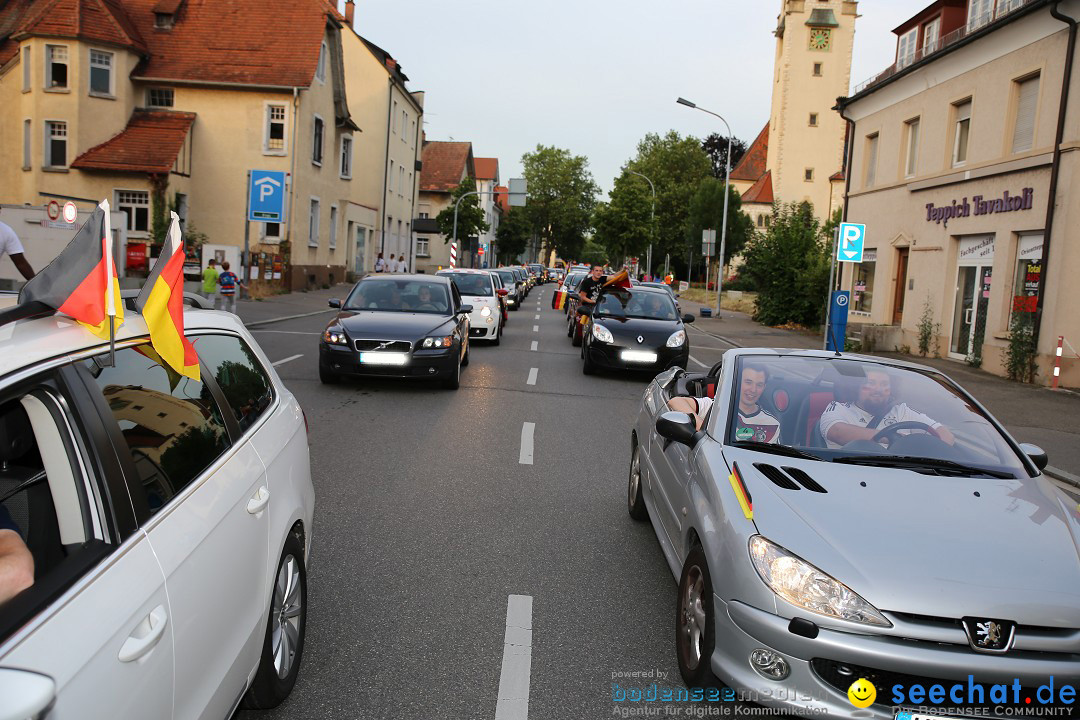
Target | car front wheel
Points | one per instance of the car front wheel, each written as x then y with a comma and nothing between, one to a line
635,501
283,646
453,382
328,376
694,627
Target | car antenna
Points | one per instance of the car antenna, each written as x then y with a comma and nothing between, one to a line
836,347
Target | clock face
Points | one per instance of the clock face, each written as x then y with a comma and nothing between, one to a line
820,38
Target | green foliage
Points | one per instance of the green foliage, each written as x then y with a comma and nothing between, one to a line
716,147
926,327
594,252
1021,353
707,212
624,223
470,216
789,267
513,234
562,195
159,207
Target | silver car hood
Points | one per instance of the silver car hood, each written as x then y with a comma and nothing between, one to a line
928,545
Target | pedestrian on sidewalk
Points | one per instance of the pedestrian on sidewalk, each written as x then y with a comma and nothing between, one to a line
209,288
10,245
402,265
391,264
227,281
380,264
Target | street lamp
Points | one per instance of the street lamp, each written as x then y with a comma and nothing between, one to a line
727,174
652,219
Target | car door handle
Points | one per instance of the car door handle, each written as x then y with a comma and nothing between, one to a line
258,501
145,635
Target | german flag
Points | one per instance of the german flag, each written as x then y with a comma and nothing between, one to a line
560,300
81,281
620,279
161,302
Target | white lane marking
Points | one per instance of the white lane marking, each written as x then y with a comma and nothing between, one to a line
537,317
285,332
514,680
525,457
536,328
534,345
288,359
532,376
698,361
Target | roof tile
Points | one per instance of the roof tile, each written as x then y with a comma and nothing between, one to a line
487,168
444,165
753,164
761,191
149,144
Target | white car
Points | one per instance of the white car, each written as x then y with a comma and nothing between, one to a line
477,288
169,522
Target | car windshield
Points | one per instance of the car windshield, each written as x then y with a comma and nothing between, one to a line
573,280
508,277
387,295
662,286
865,413
475,285
639,305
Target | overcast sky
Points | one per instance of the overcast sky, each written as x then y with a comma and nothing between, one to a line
594,76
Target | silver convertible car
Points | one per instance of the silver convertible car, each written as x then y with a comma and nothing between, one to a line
840,518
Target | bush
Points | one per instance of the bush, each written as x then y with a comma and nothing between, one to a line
1021,353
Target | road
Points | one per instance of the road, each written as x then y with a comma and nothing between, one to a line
428,519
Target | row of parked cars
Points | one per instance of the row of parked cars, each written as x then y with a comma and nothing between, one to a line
420,325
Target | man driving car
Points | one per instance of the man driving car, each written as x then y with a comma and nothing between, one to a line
874,410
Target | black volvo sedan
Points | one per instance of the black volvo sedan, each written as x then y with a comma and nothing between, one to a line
410,326
636,329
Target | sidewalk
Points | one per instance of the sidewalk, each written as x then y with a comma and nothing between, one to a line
277,307
1031,413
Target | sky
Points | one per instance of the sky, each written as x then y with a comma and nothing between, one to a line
594,76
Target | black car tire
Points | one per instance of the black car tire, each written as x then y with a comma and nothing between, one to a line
588,367
454,381
635,501
695,630
516,307
498,336
268,690
465,357
328,376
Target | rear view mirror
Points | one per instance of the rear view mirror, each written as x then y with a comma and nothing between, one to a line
464,309
1036,453
677,427
688,318
334,303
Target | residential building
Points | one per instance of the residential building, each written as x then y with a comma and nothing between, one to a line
487,179
797,154
964,183
445,166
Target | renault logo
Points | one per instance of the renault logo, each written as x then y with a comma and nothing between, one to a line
640,339
988,635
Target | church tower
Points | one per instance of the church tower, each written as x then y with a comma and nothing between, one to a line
814,40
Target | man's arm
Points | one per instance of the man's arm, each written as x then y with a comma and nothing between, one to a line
689,406
16,565
842,433
21,263
943,433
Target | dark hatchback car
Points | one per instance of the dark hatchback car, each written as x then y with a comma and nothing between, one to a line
409,326
634,329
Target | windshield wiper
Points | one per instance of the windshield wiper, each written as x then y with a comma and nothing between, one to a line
947,467
774,449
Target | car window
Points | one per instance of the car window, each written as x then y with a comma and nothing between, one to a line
645,305
239,374
171,423
476,285
390,295
508,278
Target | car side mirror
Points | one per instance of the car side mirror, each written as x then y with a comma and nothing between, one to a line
26,694
677,427
584,310
334,303
503,292
464,309
1036,453
688,318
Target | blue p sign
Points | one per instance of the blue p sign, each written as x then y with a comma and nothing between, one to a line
850,248
266,196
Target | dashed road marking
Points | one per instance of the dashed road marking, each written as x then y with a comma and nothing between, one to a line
525,457
288,359
532,376
535,344
516,675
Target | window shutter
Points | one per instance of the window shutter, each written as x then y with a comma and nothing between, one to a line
1024,131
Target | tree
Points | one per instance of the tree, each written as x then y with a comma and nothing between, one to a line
513,234
562,195
715,146
707,212
623,225
594,252
789,267
470,216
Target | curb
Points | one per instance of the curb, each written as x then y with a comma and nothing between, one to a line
286,317
1061,475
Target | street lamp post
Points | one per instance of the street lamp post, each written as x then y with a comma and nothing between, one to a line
652,220
723,229
458,204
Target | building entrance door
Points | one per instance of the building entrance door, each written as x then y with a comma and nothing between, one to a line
973,276
901,286
358,258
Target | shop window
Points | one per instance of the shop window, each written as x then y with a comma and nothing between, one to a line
862,290
1029,270
1027,100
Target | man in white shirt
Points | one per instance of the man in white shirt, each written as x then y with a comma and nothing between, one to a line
753,422
10,245
874,410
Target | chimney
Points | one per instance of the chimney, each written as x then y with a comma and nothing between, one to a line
350,12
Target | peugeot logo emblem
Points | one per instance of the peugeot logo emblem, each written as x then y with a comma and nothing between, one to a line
987,635
640,339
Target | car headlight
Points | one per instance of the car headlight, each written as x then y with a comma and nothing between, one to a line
485,311
335,336
802,584
677,338
602,334
443,341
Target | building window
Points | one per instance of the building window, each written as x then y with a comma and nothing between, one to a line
422,249
761,221
275,129
912,153
401,181
1028,271
961,132
136,205
159,97
393,119
870,176
412,132
26,137
930,35
101,72
313,224
817,69
422,215
55,143
1027,100
270,233
320,70
813,119
346,156
317,141
980,12
808,174
862,292
56,66
404,124
905,48
26,55
333,227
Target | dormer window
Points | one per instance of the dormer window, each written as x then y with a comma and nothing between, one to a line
165,14
163,21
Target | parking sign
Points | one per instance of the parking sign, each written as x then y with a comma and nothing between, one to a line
850,247
266,196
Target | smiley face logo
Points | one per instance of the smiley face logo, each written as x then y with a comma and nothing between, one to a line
862,693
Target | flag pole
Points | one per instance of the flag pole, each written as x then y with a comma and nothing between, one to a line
110,273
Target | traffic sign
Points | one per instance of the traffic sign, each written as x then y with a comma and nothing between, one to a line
708,242
838,315
71,213
852,239
266,196
53,210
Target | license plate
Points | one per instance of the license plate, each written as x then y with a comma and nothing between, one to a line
638,356
383,358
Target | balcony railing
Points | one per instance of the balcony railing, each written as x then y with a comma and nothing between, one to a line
974,24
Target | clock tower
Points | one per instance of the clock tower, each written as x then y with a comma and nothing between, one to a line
814,40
